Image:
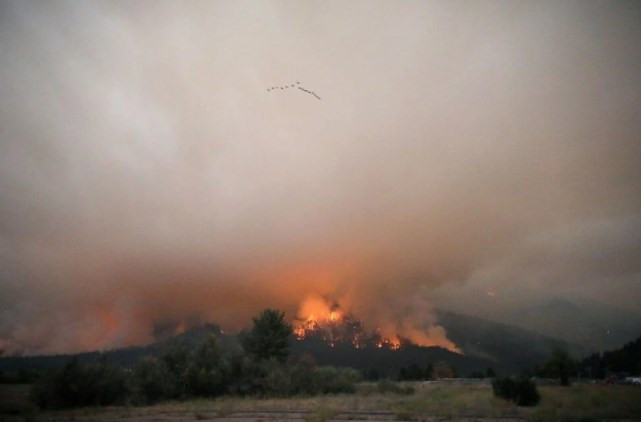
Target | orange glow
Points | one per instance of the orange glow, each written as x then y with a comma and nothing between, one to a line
335,315
330,323
314,308
394,343
427,337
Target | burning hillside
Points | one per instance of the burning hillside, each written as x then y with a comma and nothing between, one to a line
326,322
343,329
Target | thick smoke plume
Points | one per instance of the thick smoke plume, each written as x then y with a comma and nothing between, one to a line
148,182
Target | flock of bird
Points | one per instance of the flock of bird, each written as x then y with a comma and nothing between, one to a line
296,85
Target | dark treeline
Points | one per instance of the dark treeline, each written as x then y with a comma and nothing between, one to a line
617,363
626,360
180,371
259,362
384,361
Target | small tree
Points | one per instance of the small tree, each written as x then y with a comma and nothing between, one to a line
269,337
208,371
561,365
151,381
175,359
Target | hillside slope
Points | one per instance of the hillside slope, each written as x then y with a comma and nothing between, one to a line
484,344
507,346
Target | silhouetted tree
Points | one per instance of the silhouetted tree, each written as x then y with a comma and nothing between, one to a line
561,365
208,371
415,373
151,381
443,370
269,337
176,360
429,371
625,359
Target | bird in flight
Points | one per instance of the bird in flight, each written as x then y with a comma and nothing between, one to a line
295,85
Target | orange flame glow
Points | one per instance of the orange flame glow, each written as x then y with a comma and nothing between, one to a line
316,315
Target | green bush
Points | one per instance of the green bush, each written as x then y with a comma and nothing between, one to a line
177,372
276,379
208,372
521,391
245,376
151,381
302,379
176,360
77,384
330,380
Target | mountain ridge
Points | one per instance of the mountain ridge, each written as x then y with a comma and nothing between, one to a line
484,343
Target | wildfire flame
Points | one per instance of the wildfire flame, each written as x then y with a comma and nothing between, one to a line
318,317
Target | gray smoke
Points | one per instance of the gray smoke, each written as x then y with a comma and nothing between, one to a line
147,176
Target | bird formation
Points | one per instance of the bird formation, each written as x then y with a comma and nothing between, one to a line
296,85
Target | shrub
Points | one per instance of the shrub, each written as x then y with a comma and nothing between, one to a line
521,391
77,384
330,380
176,360
245,376
207,373
278,382
151,381
302,378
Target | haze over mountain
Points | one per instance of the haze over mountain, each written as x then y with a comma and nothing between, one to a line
483,344
593,325
461,152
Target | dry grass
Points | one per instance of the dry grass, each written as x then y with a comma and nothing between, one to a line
429,402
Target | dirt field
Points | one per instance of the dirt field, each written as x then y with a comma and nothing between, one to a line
430,402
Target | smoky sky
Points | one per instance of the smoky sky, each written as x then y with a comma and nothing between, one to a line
147,178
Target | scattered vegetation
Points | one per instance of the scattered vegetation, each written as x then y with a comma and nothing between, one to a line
81,385
180,373
489,373
416,373
521,390
430,401
387,386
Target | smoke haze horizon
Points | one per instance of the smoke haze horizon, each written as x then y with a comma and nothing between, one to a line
148,180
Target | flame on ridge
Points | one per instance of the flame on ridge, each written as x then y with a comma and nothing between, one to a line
318,318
